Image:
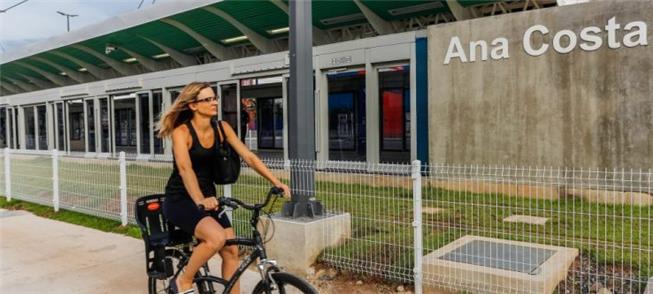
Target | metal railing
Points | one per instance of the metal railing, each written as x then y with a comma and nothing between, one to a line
402,214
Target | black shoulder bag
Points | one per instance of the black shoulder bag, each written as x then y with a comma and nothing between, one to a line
226,165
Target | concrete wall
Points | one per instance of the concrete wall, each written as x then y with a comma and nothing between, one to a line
579,109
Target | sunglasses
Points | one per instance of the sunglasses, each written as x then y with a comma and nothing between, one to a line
207,99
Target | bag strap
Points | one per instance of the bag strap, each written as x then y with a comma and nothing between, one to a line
220,130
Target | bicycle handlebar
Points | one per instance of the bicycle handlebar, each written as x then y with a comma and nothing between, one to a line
235,203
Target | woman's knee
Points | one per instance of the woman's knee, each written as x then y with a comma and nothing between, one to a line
215,242
229,252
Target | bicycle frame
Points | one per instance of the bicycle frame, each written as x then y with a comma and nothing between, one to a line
265,265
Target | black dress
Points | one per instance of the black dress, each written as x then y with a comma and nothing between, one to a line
179,208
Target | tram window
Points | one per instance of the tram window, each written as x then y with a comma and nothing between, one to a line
394,111
30,131
41,118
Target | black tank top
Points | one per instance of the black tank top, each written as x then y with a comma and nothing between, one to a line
202,160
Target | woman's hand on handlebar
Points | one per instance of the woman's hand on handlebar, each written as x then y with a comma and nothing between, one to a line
285,189
209,203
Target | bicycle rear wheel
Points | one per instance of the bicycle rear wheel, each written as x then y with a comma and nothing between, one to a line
285,284
201,285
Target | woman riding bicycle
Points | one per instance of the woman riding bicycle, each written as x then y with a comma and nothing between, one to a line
189,123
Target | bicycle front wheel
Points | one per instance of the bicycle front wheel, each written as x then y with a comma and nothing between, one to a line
285,283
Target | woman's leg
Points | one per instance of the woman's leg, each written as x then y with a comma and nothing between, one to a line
212,237
230,260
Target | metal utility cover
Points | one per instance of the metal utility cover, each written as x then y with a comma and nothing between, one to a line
500,256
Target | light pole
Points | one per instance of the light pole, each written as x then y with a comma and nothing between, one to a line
12,6
68,16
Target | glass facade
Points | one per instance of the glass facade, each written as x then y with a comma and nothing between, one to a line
262,115
105,126
30,130
145,132
3,128
157,105
347,139
41,119
125,125
90,123
394,111
76,132
61,119
229,104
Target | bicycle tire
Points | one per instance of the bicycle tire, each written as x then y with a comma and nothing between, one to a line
282,281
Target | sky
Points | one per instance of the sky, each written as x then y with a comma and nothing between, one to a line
37,20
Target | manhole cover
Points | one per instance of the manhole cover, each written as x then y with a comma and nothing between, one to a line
500,256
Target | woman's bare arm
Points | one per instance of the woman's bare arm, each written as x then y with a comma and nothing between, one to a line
251,159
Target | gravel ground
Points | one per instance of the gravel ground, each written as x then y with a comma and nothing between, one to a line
586,276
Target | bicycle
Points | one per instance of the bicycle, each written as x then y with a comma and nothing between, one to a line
167,250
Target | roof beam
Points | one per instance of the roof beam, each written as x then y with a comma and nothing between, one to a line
11,87
57,79
73,74
181,58
380,25
120,67
96,71
25,86
261,42
147,62
6,90
38,82
217,50
458,11
319,36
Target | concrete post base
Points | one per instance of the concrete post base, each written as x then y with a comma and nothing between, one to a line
297,243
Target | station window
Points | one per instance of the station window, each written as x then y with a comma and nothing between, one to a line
124,108
394,110
30,131
347,138
76,125
262,115
3,128
41,118
144,105
105,126
157,107
61,144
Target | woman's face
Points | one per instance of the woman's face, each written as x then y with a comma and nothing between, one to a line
206,103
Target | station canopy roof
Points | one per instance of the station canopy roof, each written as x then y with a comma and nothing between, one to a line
184,33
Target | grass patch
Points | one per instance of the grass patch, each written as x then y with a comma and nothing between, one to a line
72,217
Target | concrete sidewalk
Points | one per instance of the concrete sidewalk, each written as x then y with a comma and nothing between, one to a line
40,255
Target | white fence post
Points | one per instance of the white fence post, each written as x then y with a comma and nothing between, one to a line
417,224
8,173
55,179
123,188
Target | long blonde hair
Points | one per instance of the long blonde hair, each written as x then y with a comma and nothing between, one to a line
179,113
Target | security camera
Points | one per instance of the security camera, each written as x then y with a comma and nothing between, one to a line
109,48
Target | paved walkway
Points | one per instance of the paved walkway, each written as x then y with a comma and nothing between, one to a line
39,255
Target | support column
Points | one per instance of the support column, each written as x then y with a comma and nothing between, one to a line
301,114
